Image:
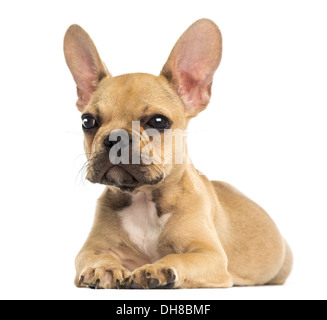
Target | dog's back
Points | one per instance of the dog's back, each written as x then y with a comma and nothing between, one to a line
256,251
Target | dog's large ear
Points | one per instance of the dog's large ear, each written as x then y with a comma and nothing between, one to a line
84,63
192,63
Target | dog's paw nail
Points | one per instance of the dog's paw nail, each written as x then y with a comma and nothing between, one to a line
135,285
168,286
171,276
153,283
125,283
97,284
81,280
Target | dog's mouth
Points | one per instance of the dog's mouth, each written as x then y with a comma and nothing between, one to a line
120,177
126,177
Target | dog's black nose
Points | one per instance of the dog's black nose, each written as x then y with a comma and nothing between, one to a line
117,136
109,143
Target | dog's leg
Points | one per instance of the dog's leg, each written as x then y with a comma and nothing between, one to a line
197,269
99,271
286,268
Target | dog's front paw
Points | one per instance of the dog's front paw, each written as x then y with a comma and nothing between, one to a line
103,277
152,276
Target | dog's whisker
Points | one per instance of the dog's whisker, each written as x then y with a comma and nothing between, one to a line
82,172
81,155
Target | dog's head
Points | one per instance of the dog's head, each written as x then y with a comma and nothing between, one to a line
133,123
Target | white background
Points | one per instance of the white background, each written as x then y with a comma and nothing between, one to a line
264,132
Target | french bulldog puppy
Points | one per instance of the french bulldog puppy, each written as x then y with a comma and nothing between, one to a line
159,223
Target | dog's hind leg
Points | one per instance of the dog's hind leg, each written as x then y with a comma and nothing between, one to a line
285,270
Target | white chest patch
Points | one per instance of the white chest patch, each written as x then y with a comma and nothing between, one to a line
141,222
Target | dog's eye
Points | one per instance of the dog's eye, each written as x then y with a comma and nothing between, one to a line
159,122
88,122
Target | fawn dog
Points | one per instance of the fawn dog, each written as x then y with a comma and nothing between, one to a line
162,224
